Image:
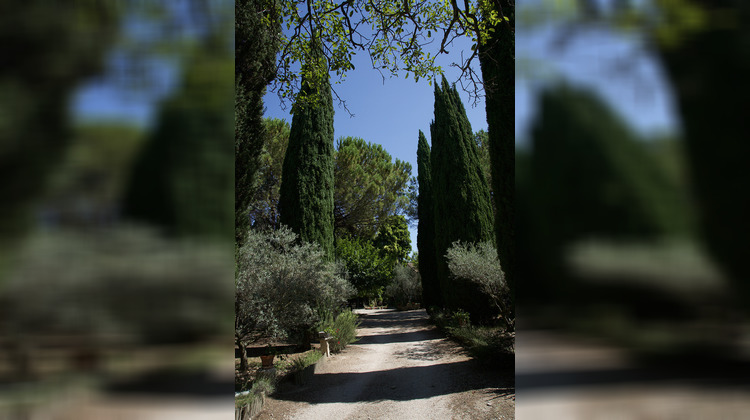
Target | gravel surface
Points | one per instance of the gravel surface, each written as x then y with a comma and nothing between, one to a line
401,368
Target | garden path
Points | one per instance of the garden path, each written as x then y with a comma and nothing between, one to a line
401,368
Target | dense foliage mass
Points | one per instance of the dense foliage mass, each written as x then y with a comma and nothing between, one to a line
368,267
479,264
131,281
463,211
307,183
48,49
257,31
497,58
426,227
393,239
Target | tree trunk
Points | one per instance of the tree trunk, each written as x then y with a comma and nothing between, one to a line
243,356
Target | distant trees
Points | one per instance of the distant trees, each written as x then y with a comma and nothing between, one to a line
369,186
426,227
393,239
369,269
307,183
405,287
463,211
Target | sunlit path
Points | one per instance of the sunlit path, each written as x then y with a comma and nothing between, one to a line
401,367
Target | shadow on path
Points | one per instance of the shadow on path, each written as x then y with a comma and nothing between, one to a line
400,384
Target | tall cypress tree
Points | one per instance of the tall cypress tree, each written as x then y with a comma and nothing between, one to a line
497,61
257,26
463,211
426,227
307,182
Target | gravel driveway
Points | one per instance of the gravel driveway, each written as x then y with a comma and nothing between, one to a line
401,368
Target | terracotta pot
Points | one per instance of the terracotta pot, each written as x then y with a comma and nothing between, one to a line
267,360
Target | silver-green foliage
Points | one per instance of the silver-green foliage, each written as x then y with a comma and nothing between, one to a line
281,284
479,264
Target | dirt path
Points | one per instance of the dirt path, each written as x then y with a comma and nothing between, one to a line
401,368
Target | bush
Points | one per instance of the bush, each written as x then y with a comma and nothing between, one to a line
342,328
281,284
479,264
405,288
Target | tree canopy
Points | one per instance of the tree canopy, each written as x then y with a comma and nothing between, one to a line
398,36
370,187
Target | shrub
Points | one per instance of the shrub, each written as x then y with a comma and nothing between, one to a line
307,359
406,286
281,284
479,264
342,328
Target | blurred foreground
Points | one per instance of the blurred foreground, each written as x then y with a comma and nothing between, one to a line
633,276
116,251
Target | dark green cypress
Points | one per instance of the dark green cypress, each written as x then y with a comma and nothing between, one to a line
497,61
426,227
307,182
463,211
256,42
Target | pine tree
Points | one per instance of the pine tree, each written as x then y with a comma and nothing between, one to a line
463,211
307,181
426,227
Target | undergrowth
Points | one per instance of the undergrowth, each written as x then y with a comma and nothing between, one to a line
489,344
